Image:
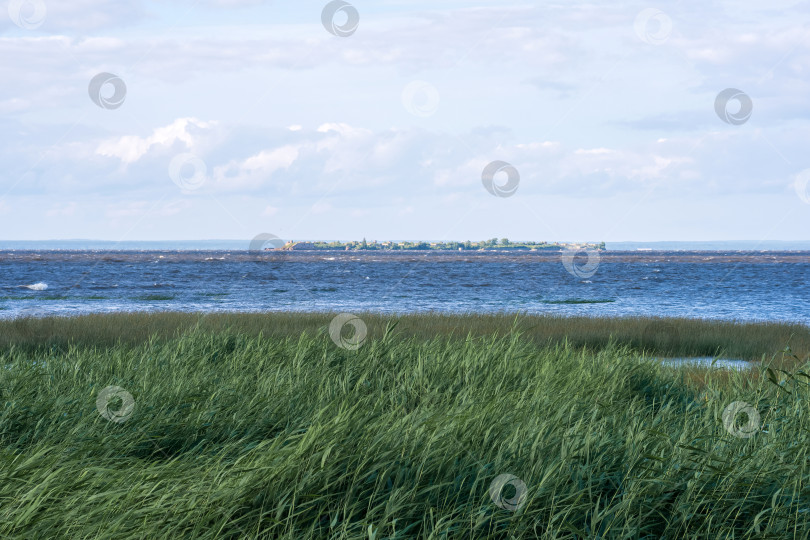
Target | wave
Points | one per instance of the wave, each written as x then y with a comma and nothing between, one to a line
36,286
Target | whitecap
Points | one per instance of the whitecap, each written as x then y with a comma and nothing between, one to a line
37,286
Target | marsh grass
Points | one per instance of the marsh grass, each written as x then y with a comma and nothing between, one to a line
258,426
665,337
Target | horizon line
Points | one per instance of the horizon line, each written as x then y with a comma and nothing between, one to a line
406,240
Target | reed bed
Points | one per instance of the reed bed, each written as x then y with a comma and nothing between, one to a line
234,433
671,337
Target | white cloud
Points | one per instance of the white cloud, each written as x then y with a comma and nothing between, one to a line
256,170
567,94
131,148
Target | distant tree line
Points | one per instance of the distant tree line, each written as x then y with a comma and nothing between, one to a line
491,244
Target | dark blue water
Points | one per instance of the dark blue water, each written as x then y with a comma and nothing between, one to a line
766,286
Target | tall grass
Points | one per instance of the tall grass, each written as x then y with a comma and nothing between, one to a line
668,337
237,434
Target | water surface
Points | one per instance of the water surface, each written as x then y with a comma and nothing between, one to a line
733,285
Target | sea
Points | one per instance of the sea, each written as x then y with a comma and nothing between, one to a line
741,285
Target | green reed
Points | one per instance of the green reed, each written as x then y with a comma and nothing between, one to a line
238,433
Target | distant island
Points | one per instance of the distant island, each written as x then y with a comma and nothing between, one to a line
492,244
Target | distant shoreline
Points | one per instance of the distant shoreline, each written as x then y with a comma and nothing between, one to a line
504,244
245,245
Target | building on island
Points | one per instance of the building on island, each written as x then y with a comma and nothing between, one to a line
299,246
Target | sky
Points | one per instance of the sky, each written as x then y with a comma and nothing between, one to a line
223,119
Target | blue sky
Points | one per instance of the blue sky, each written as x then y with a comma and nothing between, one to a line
276,125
